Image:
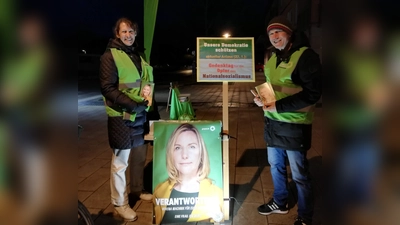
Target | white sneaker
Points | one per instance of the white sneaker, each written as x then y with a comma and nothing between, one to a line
125,212
146,196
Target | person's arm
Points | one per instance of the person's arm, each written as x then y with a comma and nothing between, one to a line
308,75
109,85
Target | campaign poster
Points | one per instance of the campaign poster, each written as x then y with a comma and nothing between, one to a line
187,172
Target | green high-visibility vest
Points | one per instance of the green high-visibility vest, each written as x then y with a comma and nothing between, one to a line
363,72
280,79
129,79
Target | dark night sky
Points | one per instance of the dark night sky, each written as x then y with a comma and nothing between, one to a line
178,22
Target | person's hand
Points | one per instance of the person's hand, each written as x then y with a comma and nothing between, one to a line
258,101
217,216
141,106
215,212
270,107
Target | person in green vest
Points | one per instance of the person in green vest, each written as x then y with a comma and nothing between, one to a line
26,81
294,71
122,70
357,115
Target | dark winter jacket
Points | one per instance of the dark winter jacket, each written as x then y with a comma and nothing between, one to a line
308,75
122,134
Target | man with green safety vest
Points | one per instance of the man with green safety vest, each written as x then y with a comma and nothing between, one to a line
294,72
122,70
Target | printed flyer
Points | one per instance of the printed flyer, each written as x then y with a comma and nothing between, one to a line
146,92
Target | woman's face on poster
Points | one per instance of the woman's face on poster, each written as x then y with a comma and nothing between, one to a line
187,153
146,90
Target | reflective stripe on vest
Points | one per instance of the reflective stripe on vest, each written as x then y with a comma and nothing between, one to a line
129,79
280,79
292,91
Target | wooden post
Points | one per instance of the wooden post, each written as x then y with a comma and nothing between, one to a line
225,147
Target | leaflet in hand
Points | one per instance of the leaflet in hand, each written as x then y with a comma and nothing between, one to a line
146,92
266,93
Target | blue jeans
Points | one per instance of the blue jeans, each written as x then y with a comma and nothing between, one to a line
356,170
299,167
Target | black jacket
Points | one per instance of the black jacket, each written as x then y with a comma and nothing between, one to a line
308,75
122,134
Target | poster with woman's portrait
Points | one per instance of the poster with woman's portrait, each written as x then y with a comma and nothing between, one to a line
146,92
187,172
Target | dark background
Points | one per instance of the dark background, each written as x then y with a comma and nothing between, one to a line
178,24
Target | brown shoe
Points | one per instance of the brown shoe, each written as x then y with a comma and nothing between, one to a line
142,195
125,212
146,196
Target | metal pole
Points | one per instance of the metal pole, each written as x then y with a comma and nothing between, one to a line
225,147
